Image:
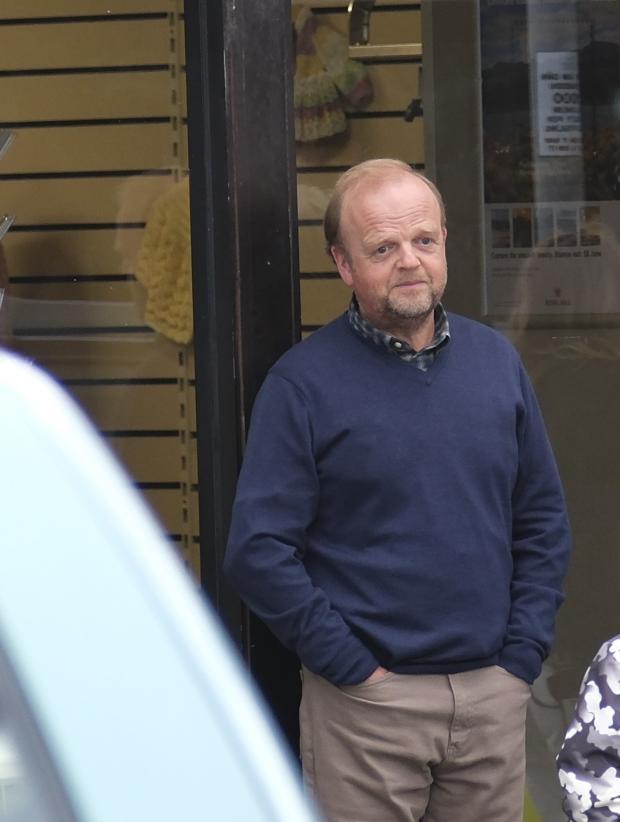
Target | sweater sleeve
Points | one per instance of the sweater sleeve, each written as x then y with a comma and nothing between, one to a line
540,544
276,500
589,761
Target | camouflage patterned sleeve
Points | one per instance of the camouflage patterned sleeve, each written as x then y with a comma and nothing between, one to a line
589,761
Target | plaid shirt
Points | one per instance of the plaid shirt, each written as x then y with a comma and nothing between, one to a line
421,359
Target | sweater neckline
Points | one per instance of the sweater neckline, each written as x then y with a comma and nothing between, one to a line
387,357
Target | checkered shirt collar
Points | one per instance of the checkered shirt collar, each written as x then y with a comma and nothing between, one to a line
422,359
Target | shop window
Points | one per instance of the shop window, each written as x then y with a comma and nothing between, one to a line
95,276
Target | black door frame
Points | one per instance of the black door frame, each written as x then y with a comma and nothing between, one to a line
245,274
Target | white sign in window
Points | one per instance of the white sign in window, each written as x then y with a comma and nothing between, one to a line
559,104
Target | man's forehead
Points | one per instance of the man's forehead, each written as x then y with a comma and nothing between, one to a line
372,193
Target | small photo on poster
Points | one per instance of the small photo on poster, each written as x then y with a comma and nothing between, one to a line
522,227
544,234
566,223
500,227
590,225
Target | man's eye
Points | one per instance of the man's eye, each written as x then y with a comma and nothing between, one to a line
382,250
426,241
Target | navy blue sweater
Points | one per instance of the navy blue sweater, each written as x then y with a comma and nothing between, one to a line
386,515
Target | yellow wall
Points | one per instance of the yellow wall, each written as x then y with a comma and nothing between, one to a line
94,92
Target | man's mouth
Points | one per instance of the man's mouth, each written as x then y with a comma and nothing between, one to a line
412,284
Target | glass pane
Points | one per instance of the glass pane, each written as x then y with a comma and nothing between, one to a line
551,260
513,108
95,272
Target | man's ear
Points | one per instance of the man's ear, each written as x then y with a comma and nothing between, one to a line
343,264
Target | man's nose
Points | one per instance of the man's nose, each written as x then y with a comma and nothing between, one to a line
409,256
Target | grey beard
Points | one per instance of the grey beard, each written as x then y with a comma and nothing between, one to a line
411,312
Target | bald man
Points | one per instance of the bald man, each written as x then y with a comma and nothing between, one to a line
400,524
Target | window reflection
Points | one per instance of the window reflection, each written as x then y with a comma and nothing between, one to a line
95,97
534,249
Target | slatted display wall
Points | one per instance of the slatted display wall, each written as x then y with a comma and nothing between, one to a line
378,131
94,91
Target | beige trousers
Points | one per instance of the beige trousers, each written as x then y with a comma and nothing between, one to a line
431,748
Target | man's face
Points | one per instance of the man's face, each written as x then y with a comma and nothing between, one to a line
395,250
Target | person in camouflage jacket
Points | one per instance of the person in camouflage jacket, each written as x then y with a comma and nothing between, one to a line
589,761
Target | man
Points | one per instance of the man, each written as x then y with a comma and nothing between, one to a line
399,524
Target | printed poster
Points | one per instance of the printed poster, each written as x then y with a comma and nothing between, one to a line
551,144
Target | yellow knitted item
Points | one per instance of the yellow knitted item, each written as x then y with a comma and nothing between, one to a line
164,265
326,83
